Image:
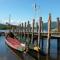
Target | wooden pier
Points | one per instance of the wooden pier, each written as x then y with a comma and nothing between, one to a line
35,31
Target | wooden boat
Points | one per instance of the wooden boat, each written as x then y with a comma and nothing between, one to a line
14,43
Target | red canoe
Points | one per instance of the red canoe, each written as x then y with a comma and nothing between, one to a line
15,44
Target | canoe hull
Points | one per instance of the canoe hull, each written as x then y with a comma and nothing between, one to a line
15,44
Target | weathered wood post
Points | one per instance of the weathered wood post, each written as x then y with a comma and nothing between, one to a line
42,33
25,32
41,26
39,30
30,33
22,30
36,26
33,31
28,28
58,25
58,40
39,33
49,34
36,32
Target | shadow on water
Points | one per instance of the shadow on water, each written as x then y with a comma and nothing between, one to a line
7,53
30,55
21,55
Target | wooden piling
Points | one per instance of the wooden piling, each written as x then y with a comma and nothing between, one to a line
36,26
33,30
58,40
22,30
49,34
39,30
41,34
25,31
28,28
30,33
58,25
41,26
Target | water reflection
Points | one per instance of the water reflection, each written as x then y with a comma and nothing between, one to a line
19,55
7,53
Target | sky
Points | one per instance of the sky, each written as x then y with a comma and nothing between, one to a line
23,10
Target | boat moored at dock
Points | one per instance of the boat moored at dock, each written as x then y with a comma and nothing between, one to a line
13,42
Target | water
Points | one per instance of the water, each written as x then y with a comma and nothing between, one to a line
4,31
53,48
6,53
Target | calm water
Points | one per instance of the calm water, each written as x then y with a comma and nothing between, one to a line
6,53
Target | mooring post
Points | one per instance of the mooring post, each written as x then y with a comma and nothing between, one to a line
41,34
41,26
22,30
58,25
33,31
28,28
39,30
36,26
58,40
49,35
30,33
25,32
